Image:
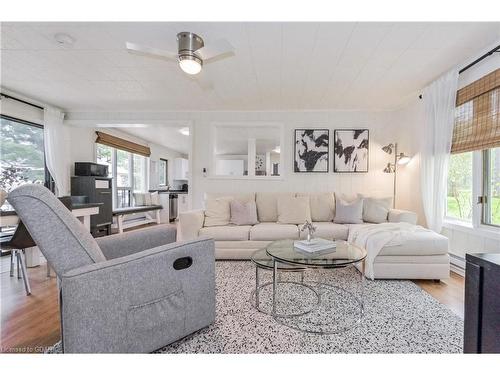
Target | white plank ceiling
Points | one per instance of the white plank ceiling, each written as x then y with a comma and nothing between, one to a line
277,66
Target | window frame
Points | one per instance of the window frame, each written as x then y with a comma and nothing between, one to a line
485,191
477,224
49,181
166,172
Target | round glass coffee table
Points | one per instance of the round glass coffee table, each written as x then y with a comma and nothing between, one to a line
340,305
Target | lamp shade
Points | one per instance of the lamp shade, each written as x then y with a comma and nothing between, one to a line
403,159
389,168
388,149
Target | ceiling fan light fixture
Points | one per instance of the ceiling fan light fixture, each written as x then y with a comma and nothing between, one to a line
190,64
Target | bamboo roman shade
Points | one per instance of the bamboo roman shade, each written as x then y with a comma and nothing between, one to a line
477,115
122,144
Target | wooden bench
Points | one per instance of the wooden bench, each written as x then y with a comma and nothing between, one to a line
121,212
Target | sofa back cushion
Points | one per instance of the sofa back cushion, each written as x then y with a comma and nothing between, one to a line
217,207
240,197
348,212
217,211
293,210
243,213
322,206
376,210
267,206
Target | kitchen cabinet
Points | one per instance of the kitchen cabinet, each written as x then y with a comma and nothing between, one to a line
181,169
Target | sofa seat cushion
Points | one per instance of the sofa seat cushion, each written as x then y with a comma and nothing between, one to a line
227,232
419,243
273,231
328,230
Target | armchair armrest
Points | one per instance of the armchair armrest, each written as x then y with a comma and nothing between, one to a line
398,216
119,245
140,302
190,223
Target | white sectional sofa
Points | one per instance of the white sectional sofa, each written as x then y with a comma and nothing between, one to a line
423,255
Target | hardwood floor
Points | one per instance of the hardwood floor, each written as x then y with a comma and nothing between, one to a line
31,323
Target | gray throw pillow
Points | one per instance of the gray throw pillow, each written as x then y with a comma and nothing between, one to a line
348,212
243,213
376,210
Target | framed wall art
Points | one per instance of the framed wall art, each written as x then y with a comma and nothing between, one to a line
351,150
311,150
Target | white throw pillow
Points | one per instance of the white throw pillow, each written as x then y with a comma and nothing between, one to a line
155,198
293,210
348,212
147,199
243,213
376,210
217,212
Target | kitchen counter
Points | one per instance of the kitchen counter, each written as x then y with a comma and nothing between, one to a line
163,191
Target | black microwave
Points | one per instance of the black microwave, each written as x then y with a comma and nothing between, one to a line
91,169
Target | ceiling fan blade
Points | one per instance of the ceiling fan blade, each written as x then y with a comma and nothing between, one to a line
149,51
215,51
202,82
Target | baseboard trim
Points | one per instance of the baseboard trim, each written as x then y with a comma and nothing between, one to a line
457,264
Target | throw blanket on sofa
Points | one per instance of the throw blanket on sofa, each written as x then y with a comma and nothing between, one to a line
374,237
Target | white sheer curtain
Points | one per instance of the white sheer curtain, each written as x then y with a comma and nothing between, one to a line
56,145
439,100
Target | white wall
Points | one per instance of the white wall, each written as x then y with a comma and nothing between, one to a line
375,182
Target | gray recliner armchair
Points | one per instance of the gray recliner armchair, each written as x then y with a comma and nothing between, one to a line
134,292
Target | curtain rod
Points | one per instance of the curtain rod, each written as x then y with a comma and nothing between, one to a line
21,101
487,54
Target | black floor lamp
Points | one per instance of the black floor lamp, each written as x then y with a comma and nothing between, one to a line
399,159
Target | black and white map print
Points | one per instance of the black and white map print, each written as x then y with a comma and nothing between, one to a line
351,150
311,150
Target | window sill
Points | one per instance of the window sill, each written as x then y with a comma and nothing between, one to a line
481,231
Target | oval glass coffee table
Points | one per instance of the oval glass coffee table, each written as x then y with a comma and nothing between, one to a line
340,306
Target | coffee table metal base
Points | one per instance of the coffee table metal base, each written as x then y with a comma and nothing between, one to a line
317,329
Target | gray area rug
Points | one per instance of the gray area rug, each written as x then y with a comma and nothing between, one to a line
399,317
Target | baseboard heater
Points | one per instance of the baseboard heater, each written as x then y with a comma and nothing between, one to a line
457,264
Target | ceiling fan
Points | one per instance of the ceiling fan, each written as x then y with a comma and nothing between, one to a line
192,52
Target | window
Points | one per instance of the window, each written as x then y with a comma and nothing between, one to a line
129,172
459,197
474,170
163,172
22,158
247,150
104,155
139,168
491,186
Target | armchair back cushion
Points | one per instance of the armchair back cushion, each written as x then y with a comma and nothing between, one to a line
60,236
